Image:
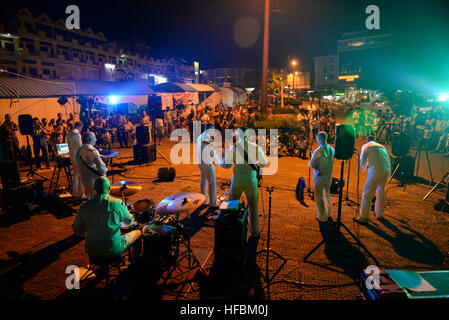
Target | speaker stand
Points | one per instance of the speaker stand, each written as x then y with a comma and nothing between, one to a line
335,230
31,172
155,144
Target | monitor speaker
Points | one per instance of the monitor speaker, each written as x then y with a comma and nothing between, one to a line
400,145
10,175
143,135
26,124
344,141
166,174
144,153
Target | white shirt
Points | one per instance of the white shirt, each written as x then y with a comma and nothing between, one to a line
205,141
322,162
375,157
74,141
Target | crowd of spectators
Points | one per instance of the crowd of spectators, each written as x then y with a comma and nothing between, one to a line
428,127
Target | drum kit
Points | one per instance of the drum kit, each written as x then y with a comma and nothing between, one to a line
161,229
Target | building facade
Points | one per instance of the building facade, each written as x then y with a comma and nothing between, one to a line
326,72
40,48
364,59
234,77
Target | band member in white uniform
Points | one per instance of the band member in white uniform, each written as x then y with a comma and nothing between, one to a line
90,164
244,178
322,164
206,158
74,142
375,158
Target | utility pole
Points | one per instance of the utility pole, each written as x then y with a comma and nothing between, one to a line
282,91
265,56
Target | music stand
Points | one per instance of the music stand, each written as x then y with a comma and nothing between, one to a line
339,223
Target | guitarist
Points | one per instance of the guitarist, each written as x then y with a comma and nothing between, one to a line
89,163
247,159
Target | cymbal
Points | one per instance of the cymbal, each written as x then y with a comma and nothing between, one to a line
125,188
180,203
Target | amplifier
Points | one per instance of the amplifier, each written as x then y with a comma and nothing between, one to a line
231,235
144,153
384,288
166,174
406,169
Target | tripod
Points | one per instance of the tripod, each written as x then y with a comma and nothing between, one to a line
267,250
418,155
339,223
436,186
31,171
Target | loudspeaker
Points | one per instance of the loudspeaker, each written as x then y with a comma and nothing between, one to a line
143,135
344,141
166,174
63,100
155,106
144,153
407,167
401,144
334,186
231,236
26,124
9,174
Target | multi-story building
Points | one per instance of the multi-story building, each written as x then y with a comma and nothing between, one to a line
298,80
233,76
326,72
364,59
40,48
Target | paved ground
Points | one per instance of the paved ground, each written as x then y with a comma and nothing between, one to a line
414,236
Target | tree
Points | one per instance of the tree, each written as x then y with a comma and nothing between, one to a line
275,80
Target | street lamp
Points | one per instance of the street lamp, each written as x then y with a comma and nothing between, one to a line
294,63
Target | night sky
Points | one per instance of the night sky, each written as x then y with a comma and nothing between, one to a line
204,30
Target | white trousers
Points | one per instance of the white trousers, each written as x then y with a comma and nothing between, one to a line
375,182
78,186
252,199
208,181
322,194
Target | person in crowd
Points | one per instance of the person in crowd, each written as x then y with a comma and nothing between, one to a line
100,219
90,163
322,164
375,158
356,121
159,128
245,157
9,142
40,144
74,142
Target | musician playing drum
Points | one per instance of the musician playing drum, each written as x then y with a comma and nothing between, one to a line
100,218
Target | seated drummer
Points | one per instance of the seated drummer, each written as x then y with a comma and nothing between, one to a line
100,218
